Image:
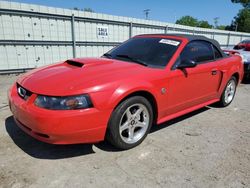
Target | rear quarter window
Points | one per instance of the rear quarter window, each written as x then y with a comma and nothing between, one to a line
198,51
217,54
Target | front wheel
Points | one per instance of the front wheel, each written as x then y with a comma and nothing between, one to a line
229,92
130,122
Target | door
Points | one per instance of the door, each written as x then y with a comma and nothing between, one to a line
192,86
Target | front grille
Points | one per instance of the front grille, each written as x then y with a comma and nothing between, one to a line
22,92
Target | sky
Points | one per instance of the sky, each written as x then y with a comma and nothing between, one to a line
160,10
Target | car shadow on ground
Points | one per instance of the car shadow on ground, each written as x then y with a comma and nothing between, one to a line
41,150
178,119
246,81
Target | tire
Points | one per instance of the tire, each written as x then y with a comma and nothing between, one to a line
228,93
130,123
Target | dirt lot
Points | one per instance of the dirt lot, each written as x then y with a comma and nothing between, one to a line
207,148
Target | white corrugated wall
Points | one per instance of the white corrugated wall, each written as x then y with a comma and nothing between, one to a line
18,29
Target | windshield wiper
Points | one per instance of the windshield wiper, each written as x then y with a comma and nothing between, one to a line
107,55
132,59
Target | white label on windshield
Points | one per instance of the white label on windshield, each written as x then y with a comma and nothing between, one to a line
171,42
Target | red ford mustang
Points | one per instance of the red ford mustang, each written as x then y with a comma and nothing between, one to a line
147,80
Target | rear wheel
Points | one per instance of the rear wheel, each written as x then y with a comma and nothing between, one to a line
229,92
130,122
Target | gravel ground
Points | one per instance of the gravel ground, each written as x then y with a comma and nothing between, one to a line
207,148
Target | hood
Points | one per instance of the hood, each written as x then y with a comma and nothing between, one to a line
77,76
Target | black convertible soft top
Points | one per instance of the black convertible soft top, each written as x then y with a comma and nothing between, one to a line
193,38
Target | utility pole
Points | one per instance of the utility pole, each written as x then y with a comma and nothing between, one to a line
146,12
236,27
216,21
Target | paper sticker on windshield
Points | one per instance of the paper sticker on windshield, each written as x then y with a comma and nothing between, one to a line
171,42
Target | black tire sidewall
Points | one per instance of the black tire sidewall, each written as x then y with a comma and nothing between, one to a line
222,100
113,135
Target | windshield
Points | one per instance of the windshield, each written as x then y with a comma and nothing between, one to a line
153,52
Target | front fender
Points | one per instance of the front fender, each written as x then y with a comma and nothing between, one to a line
109,99
128,88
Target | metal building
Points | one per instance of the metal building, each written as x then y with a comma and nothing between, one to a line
33,35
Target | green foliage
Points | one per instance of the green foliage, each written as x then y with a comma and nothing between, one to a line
204,24
85,9
245,3
75,8
216,21
187,20
221,27
191,21
242,21
88,10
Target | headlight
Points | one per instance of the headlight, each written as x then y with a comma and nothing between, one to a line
64,103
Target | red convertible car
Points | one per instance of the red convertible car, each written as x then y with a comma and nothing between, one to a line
243,45
147,80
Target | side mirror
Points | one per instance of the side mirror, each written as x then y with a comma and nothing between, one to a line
186,64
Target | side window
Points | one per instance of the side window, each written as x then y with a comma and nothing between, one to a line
198,51
217,53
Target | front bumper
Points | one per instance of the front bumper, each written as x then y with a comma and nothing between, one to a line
58,127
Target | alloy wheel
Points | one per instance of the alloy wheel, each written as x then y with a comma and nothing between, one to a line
134,123
230,91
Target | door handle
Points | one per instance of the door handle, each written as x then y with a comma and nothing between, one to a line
214,72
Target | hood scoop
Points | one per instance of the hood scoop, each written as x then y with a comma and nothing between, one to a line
74,63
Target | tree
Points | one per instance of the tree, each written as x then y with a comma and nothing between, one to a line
241,22
75,8
88,10
191,21
204,24
187,20
221,27
216,21
245,3
85,9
